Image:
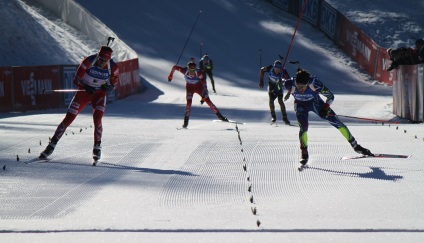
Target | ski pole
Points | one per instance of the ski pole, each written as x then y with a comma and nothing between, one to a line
62,90
295,30
182,51
369,119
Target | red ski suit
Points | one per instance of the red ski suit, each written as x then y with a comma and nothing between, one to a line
195,83
92,73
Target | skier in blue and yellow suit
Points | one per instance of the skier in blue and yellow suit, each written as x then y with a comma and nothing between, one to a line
306,91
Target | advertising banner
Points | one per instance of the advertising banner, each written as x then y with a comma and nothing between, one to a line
358,45
129,78
329,21
311,11
6,89
29,84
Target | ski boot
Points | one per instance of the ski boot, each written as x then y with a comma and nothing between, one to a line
97,153
185,124
221,117
304,160
285,120
48,150
361,150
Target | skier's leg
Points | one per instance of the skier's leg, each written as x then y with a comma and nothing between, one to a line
78,103
302,117
215,109
99,106
210,74
334,120
187,112
271,100
283,108
189,98
98,131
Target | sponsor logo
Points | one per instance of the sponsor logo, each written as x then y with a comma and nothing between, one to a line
328,20
33,87
358,47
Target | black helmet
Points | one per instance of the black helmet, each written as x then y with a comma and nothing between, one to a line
191,65
302,77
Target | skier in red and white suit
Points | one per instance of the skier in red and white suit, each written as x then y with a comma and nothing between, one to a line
95,76
195,83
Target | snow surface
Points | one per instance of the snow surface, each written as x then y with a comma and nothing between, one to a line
159,184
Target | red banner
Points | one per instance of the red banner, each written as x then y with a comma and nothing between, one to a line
358,45
29,84
129,78
6,89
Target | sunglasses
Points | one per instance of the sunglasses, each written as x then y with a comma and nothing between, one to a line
102,59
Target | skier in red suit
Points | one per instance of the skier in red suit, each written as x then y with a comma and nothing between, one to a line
195,83
95,76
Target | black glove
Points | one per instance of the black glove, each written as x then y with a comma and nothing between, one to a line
89,89
325,109
261,84
106,87
287,96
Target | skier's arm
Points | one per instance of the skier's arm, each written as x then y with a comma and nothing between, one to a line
261,75
323,90
288,84
81,70
175,68
114,76
113,80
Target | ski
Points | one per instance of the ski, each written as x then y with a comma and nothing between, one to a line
181,128
36,160
398,156
230,121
